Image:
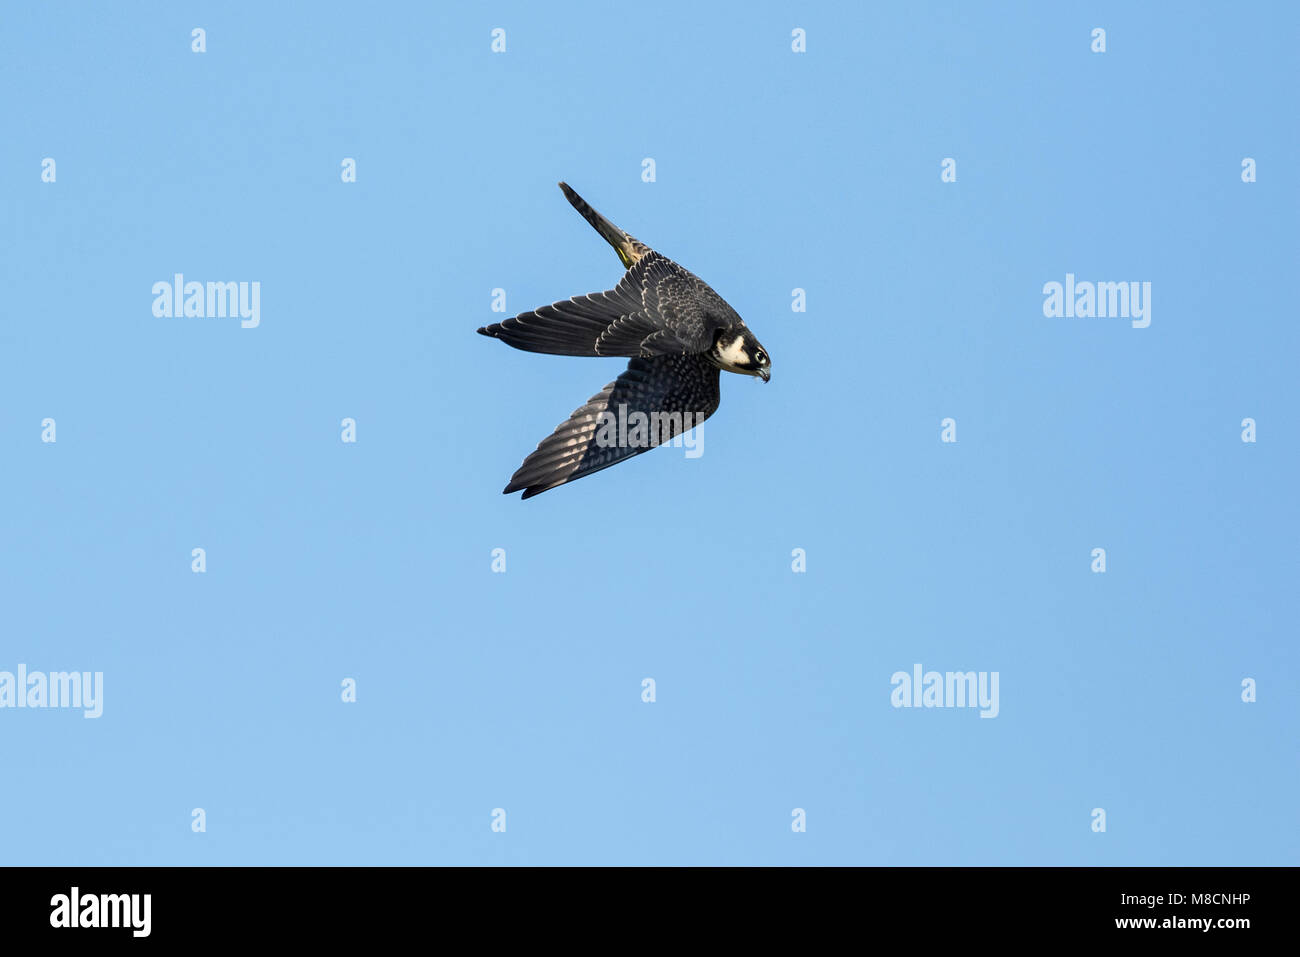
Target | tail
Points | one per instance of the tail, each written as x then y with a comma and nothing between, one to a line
629,250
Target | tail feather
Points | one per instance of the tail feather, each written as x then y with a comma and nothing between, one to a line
629,249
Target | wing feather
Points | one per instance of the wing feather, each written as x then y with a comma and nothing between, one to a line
657,308
675,392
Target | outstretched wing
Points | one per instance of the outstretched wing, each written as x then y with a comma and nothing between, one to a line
657,308
671,393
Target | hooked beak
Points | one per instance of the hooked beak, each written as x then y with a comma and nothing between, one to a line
765,375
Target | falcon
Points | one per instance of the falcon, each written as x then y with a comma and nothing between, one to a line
679,335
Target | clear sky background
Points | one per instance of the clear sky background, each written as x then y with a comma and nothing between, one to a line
522,690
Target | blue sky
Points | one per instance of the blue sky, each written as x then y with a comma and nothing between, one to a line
774,170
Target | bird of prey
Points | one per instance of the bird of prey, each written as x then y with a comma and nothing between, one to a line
677,332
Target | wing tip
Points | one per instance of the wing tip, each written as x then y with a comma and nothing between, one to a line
528,490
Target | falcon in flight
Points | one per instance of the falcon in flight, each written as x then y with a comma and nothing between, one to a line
677,332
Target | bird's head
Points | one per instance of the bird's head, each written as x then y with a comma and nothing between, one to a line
737,350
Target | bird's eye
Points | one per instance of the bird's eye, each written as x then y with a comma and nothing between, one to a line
760,357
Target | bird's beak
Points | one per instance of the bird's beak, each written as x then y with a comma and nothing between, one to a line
765,374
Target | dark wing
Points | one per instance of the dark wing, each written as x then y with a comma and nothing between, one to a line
675,393
657,308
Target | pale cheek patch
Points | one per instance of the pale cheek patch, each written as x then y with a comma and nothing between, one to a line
734,354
